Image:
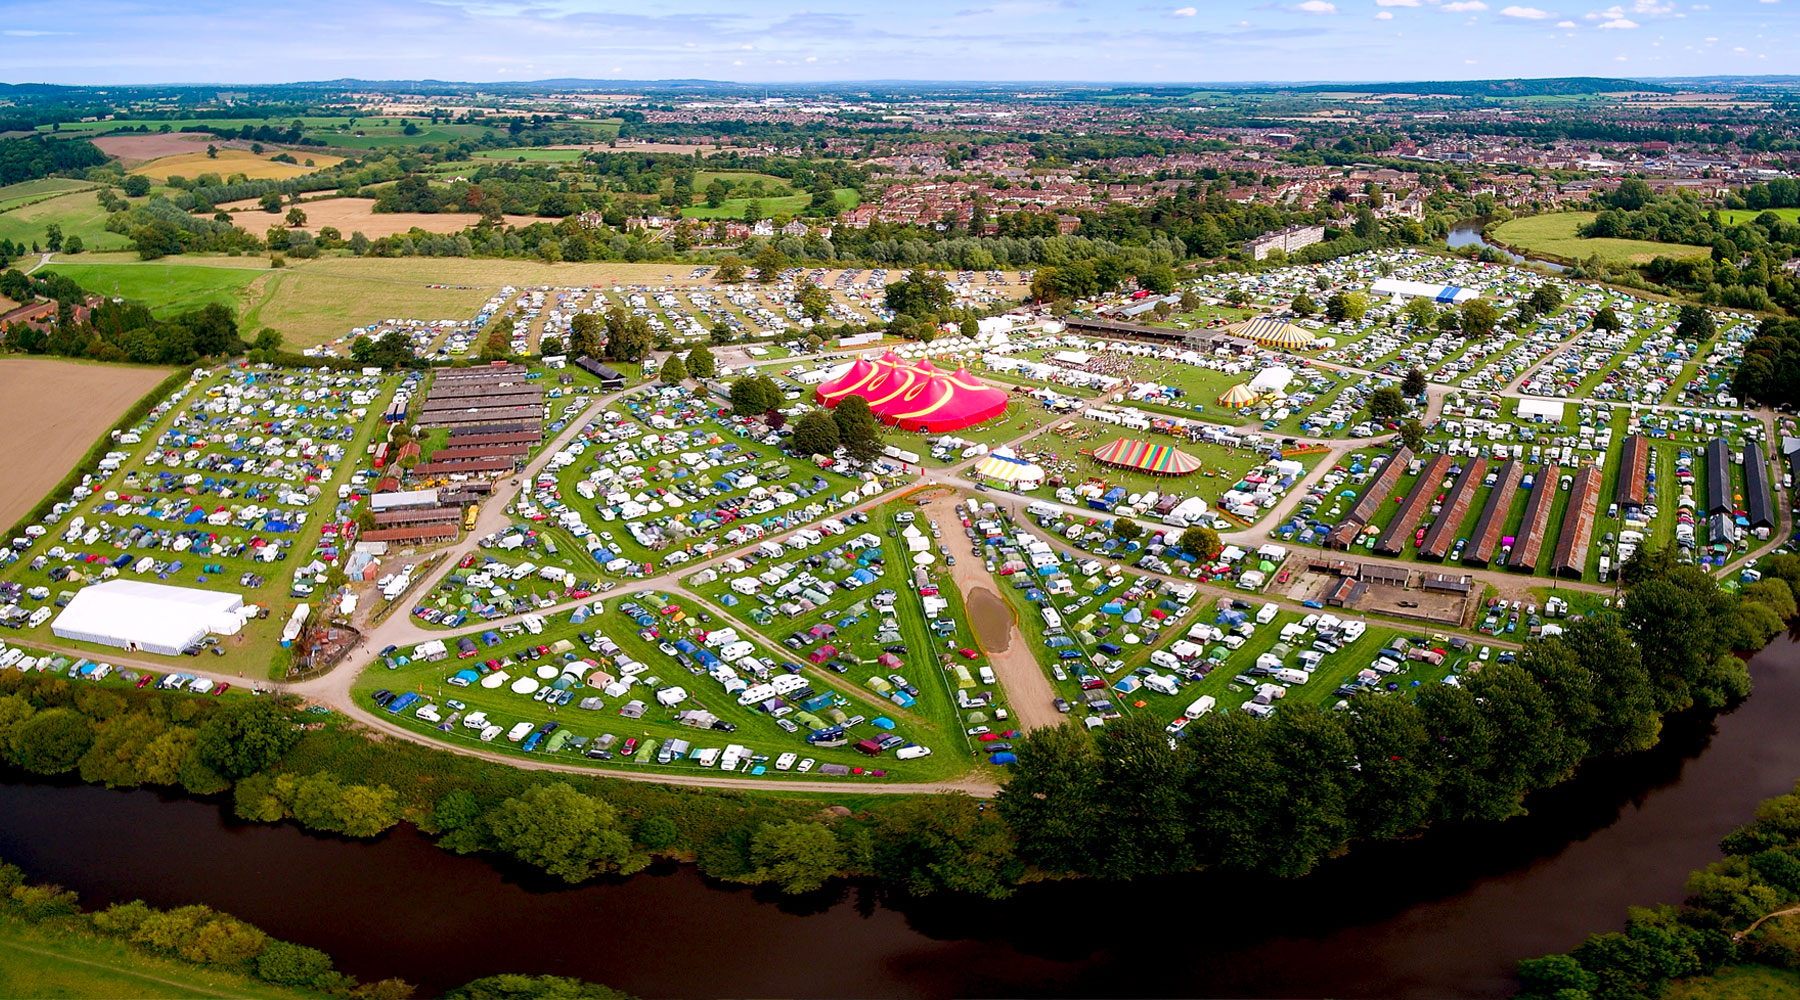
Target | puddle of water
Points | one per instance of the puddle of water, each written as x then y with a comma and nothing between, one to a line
991,619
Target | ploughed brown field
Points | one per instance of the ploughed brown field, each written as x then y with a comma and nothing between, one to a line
135,149
51,412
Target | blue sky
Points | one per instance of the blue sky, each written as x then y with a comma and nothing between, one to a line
272,41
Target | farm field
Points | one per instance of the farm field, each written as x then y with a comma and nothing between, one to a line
78,213
35,963
232,161
1737,216
168,287
25,192
141,148
352,215
1554,235
532,154
53,411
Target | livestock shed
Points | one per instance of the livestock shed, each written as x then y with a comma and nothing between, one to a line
1718,477
609,377
1536,522
1414,507
151,617
412,533
1387,576
1757,504
402,500
1450,295
1455,508
1447,583
1570,558
1492,524
1634,470
1370,500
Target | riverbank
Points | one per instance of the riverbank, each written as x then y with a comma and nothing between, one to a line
1476,898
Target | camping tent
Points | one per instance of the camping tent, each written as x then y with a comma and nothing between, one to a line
916,396
1146,457
1237,397
1270,331
1003,466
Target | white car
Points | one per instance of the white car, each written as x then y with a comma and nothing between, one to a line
805,766
1484,654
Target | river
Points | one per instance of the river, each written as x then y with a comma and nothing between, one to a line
1443,915
1467,233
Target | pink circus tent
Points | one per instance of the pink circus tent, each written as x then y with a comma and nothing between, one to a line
916,396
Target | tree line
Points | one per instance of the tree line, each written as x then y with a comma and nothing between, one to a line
219,942
31,157
1282,794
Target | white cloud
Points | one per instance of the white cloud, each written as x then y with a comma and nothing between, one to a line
1384,15
1316,7
1464,6
1618,22
1567,24
1528,13
1183,12
1396,3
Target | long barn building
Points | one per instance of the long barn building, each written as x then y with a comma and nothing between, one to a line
1414,508
1570,558
1455,507
1632,486
1530,541
1486,537
1370,501
1718,477
1757,505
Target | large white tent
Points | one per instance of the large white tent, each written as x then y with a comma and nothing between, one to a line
147,616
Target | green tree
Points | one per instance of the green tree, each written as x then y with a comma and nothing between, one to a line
1545,299
816,433
674,370
813,301
1413,385
1479,318
658,833
1695,323
797,856
51,741
1303,305
565,833
289,964
858,429
628,335
945,843
1412,434
1052,799
1386,403
1203,542
136,185
1420,313
750,395
918,294
730,272
515,986
584,335
700,362
770,262
1127,529
721,333
1606,319
246,737
1346,306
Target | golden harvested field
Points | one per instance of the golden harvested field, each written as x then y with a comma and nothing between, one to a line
51,412
232,161
352,215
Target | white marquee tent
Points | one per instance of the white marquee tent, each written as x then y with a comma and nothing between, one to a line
150,617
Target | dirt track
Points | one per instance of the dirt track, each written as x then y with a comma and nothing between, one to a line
1028,690
50,413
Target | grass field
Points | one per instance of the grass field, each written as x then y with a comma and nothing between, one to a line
1730,216
1553,235
78,213
733,208
25,192
532,154
1738,982
168,287
367,132
230,161
35,963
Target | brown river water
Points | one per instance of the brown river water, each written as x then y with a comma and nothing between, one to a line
1444,915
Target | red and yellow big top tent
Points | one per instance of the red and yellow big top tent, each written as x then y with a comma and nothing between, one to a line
916,396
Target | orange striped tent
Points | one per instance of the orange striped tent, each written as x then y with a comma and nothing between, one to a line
1142,456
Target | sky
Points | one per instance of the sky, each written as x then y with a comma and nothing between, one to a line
276,41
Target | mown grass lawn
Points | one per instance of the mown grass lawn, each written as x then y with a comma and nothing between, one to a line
1554,235
37,963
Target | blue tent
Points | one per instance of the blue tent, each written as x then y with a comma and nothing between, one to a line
1134,616
882,722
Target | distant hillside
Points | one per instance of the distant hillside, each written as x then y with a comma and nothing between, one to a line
1551,87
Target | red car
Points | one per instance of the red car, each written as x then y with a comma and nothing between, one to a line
968,654
629,748
988,737
147,678
223,687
